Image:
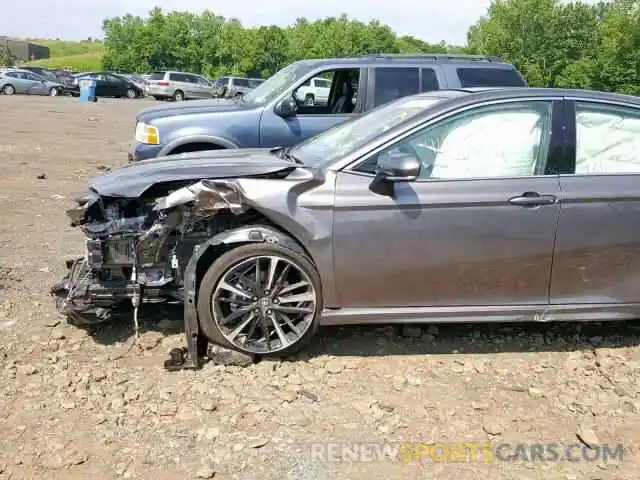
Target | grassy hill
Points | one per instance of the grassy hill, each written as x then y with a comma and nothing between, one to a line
81,56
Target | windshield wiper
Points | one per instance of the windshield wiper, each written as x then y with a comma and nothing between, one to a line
286,154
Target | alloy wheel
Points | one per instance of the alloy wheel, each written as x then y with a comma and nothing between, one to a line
264,304
9,90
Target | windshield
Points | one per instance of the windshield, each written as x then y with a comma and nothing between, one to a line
346,137
276,84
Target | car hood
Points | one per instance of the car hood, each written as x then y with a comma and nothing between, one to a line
133,180
190,107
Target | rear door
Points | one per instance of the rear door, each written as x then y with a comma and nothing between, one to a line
37,85
597,255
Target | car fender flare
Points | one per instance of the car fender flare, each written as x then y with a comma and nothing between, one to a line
219,141
240,235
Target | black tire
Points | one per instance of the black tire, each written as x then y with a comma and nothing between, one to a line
231,258
54,92
309,100
8,89
178,96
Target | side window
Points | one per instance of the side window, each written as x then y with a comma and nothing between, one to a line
489,77
176,77
332,92
241,82
607,139
395,82
496,141
429,81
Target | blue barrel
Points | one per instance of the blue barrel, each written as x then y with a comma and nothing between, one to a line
87,90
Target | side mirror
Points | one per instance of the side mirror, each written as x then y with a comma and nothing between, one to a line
287,107
398,167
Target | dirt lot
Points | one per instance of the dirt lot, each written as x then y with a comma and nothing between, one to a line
76,404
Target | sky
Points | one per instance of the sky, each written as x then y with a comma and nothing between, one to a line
430,20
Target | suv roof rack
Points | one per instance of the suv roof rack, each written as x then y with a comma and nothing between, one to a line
434,56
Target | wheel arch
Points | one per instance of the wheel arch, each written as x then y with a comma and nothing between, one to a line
205,254
181,145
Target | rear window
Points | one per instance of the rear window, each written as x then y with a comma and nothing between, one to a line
156,76
489,77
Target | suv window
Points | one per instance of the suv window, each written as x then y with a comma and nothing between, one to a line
338,99
429,80
241,82
489,77
395,82
157,76
254,82
607,139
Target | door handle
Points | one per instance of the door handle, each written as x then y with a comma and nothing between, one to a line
532,199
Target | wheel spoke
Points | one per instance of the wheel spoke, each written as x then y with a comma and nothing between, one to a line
284,341
289,323
295,286
241,327
257,288
230,288
301,297
236,301
235,314
292,310
273,265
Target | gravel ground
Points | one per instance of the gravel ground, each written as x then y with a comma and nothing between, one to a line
78,404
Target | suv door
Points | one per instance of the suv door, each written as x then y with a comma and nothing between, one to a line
310,120
596,259
476,229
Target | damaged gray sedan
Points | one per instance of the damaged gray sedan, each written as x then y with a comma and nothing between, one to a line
443,206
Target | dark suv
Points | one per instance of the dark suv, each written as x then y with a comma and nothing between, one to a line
278,113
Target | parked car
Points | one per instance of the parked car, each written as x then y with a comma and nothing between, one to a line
41,72
276,114
107,85
229,87
503,204
23,81
178,86
314,91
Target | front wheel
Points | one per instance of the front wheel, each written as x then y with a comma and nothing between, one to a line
54,92
309,100
261,299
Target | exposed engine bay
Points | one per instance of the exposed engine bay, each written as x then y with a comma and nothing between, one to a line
137,249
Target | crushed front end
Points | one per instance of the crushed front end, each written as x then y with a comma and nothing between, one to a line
136,249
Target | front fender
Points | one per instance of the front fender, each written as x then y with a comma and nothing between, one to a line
195,268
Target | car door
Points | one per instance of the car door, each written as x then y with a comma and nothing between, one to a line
476,229
102,87
203,87
37,85
117,87
596,259
309,120
20,84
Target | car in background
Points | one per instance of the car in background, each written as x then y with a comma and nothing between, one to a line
107,85
228,87
178,86
275,113
464,205
41,72
14,81
315,91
